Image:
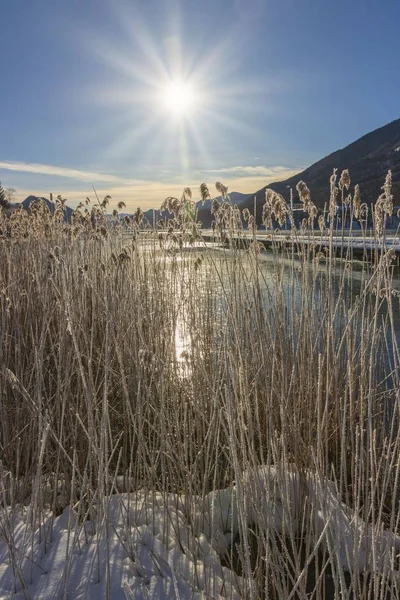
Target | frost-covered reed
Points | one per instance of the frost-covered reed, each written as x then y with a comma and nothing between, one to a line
142,360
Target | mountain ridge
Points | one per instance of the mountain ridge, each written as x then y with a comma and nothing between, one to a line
67,210
368,160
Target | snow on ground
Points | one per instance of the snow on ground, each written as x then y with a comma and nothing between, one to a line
356,544
152,545
275,499
144,548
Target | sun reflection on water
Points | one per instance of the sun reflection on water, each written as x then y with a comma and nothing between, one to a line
183,349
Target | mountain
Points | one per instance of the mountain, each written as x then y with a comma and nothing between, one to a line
204,210
26,204
238,197
368,160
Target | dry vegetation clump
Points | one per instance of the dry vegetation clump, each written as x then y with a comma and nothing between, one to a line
153,358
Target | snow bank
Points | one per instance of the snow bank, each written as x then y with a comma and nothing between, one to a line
152,545
144,548
280,500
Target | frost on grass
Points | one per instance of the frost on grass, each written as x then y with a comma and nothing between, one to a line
153,545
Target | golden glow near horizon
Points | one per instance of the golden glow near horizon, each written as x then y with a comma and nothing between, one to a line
179,97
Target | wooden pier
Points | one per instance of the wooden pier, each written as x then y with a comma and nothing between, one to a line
351,247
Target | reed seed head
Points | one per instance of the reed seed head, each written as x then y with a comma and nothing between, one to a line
204,192
344,181
222,189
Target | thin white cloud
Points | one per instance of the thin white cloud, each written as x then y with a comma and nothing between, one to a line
257,171
93,177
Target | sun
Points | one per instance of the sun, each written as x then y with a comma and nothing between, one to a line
179,97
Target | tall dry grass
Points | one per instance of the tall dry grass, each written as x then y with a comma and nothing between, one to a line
176,366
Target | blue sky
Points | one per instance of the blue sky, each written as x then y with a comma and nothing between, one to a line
276,86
